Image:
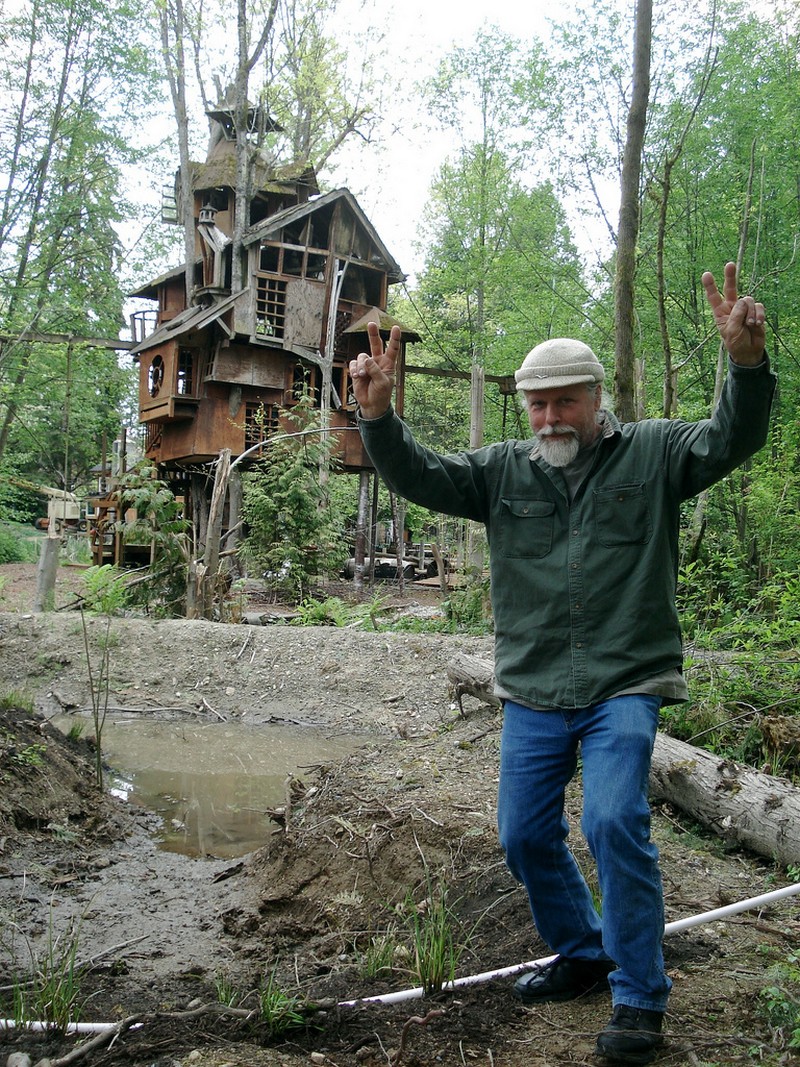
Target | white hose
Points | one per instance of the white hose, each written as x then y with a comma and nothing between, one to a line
504,972
475,979
71,1028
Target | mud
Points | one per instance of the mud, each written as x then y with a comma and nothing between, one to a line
352,855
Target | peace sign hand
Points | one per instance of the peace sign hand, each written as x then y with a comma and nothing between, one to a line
740,320
373,373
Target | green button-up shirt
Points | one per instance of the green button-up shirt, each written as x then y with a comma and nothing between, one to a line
583,589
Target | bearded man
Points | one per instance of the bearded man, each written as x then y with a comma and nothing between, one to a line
582,522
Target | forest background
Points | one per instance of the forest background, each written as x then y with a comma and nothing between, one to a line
518,239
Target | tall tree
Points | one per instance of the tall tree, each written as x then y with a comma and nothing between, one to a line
69,70
624,279
492,94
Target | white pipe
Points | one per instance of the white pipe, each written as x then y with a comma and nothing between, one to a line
503,972
475,979
71,1028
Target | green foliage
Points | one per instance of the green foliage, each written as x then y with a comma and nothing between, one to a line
278,1009
104,592
468,608
292,535
779,1002
12,548
383,949
16,701
434,926
329,612
228,994
62,148
51,991
30,756
159,524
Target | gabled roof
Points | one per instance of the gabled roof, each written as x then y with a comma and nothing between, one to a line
276,222
385,322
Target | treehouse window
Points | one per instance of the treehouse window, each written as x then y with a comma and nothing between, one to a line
293,262
340,379
269,259
216,198
270,307
296,262
304,383
185,372
362,285
260,420
156,375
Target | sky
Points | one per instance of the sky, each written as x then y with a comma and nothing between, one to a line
391,181
391,177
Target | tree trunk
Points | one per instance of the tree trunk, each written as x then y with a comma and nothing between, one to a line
46,570
628,233
361,531
741,805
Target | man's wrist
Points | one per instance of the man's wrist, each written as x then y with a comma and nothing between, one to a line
372,414
749,361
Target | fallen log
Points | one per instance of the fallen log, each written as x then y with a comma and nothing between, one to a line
742,805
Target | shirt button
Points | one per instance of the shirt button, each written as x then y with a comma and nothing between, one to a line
579,644
574,533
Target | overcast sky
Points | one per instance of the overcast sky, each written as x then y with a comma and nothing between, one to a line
391,180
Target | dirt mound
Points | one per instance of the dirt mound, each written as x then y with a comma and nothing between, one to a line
325,912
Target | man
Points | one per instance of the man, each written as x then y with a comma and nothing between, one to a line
582,523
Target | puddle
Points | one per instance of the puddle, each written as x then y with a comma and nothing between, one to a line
211,783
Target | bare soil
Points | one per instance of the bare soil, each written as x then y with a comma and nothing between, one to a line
356,847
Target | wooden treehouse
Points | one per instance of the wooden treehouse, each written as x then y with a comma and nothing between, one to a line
215,372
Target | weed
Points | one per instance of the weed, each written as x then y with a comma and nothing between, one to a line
16,701
434,945
779,1002
329,612
381,953
30,756
227,994
75,732
12,547
279,1010
51,992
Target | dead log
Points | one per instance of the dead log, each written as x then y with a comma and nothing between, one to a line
742,805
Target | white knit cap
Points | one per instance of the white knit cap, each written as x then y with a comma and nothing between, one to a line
559,361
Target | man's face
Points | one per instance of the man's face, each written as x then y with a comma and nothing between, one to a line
564,420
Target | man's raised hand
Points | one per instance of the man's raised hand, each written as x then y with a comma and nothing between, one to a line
373,372
739,319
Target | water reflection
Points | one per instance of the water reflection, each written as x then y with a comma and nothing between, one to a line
211,783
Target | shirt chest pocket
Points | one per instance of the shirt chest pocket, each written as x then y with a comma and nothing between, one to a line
622,515
526,530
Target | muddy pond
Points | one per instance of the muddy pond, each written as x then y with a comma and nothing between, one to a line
212,784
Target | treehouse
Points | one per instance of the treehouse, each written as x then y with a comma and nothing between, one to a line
215,371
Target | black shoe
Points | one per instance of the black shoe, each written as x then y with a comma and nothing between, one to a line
632,1036
563,978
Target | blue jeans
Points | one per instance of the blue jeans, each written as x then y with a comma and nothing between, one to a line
538,757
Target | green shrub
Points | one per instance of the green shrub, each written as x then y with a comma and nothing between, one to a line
12,548
105,591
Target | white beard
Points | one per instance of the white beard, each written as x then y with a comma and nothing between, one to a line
558,452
